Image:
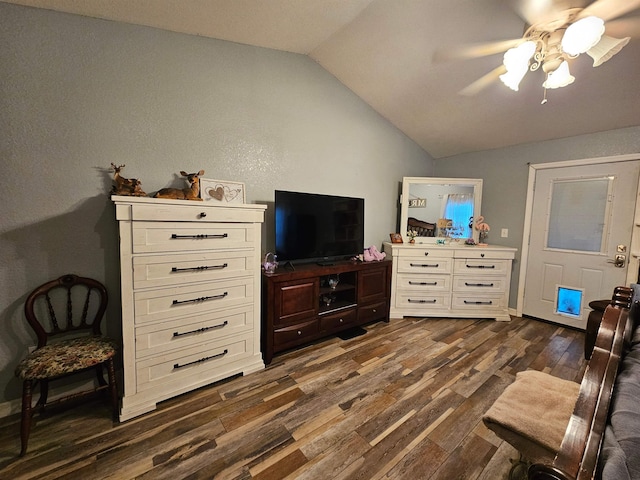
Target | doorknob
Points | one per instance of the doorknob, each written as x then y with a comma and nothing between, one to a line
619,260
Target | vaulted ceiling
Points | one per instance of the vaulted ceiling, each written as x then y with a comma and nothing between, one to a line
383,50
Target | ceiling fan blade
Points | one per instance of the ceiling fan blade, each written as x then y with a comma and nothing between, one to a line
483,82
476,50
624,27
610,9
536,11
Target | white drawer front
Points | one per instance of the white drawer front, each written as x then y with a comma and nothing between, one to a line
475,267
178,302
484,302
481,253
193,211
158,271
423,282
420,300
178,237
203,360
154,339
424,265
478,285
426,252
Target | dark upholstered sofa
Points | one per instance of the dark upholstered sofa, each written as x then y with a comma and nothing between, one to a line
620,454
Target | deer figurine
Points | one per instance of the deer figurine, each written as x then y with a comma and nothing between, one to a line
125,186
191,193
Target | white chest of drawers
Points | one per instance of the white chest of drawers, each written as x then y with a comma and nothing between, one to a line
453,280
190,284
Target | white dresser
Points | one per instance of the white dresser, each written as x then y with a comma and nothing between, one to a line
454,280
190,281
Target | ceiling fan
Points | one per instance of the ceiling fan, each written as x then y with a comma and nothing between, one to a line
552,39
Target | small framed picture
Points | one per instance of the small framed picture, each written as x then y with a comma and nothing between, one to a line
396,238
222,191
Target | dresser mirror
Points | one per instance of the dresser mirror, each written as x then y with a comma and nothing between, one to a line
440,209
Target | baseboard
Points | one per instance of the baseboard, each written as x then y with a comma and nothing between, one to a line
10,407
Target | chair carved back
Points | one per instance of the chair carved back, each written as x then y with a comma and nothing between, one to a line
56,299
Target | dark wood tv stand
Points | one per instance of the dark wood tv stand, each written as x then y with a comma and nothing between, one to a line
299,305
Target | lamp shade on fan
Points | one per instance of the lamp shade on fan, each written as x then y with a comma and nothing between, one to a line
606,48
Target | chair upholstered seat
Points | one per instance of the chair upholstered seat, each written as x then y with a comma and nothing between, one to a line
66,357
65,315
532,414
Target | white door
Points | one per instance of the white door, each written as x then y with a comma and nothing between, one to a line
579,244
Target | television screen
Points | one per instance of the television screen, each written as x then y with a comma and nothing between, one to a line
322,228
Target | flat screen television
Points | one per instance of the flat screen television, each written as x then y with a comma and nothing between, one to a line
318,228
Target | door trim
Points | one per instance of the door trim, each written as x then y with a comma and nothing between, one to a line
634,249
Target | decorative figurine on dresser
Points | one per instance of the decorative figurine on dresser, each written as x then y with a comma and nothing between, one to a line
448,275
190,279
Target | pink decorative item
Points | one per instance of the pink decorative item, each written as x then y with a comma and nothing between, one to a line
483,228
372,254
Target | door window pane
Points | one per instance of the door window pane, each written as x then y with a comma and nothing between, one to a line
578,214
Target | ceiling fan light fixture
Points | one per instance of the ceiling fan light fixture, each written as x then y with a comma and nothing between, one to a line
513,78
516,61
606,48
582,35
518,57
561,77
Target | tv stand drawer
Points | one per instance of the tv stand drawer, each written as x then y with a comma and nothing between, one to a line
295,334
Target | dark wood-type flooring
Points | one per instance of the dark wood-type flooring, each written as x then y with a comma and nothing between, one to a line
403,401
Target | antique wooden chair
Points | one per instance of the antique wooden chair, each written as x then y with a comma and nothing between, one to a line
424,229
69,342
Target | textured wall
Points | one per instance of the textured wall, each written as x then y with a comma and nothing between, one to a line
80,93
505,173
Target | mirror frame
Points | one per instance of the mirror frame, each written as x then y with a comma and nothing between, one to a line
476,183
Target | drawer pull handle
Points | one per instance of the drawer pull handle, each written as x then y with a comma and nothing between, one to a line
201,299
202,214
203,267
478,284
481,266
175,236
200,330
426,253
218,355
468,302
421,301
427,265
341,321
375,311
422,283
299,332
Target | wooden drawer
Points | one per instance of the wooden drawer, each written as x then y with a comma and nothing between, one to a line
420,300
154,339
181,302
295,334
475,267
375,311
483,302
178,269
478,286
336,321
179,367
423,282
425,265
151,237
